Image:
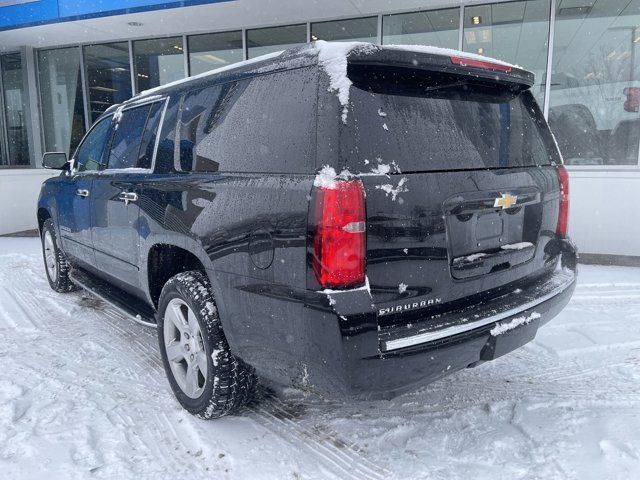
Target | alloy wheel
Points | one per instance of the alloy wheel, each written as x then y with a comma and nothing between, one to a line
184,345
50,256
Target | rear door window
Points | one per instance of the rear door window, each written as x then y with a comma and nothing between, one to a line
425,121
134,137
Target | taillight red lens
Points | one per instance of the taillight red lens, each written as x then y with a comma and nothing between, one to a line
340,235
563,215
470,62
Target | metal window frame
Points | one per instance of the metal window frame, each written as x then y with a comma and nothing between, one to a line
40,102
4,140
461,29
132,67
85,89
551,36
377,16
185,55
246,32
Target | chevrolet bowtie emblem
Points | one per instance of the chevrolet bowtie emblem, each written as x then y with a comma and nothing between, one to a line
506,200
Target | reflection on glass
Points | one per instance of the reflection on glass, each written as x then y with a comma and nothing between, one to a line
15,122
108,76
267,40
595,85
437,27
515,32
214,50
354,30
61,98
157,62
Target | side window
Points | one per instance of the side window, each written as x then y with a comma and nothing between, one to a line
89,153
135,136
264,124
197,121
148,142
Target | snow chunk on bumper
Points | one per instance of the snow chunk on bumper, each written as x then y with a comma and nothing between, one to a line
501,328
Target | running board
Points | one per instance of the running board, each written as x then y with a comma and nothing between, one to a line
125,303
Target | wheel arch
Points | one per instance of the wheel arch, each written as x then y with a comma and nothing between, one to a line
43,214
189,255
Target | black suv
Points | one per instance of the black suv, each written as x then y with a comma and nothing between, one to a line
346,219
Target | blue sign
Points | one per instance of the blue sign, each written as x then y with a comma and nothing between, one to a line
27,13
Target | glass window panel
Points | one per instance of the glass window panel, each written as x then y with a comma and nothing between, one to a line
237,126
14,109
91,150
437,27
108,76
125,146
61,98
157,62
214,50
148,140
354,30
267,40
595,82
515,32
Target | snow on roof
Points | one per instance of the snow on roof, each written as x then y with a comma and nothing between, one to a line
211,72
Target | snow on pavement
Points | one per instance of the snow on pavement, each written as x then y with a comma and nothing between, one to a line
83,395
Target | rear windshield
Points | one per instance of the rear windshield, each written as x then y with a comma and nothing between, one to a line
428,121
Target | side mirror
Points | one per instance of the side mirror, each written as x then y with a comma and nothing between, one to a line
55,160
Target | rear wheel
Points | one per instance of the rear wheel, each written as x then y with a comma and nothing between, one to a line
55,261
206,378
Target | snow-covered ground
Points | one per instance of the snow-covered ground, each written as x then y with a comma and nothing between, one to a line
83,395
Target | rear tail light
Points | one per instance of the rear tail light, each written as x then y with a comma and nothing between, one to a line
339,237
470,62
563,216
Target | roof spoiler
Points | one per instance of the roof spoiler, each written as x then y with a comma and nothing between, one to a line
445,61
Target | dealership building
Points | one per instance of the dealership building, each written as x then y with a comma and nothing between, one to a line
63,62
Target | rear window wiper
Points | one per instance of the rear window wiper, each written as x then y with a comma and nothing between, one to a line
446,85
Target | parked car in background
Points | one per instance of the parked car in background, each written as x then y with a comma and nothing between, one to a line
347,219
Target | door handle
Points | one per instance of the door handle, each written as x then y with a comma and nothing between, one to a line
128,197
81,192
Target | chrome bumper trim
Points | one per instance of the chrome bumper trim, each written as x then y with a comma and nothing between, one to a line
389,345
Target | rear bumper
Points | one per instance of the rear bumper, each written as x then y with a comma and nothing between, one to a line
373,363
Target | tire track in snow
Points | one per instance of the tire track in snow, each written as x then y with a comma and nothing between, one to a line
325,445
13,313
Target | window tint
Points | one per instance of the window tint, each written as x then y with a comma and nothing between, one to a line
429,121
134,137
89,154
261,124
148,142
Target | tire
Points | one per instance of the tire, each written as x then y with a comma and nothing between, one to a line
228,383
55,261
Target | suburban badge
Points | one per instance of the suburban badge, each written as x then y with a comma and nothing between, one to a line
408,306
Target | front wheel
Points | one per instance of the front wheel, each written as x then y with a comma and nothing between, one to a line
55,261
207,379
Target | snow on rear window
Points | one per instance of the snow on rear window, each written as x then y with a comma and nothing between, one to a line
433,121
